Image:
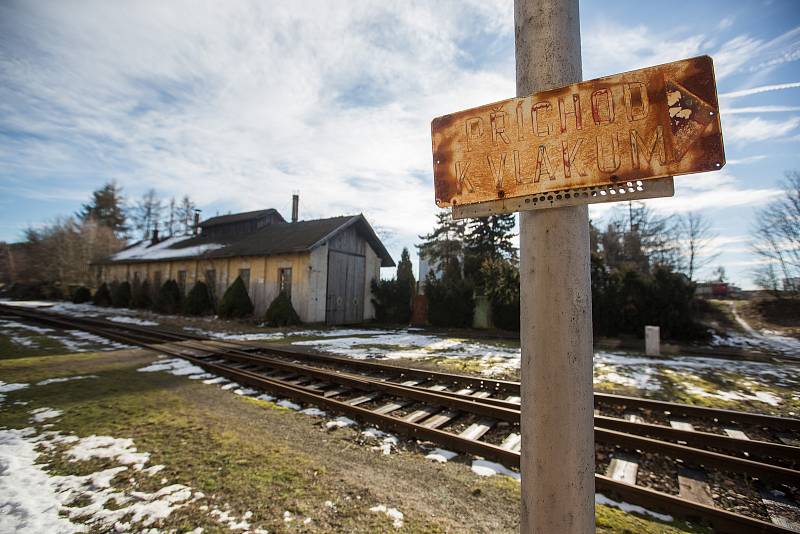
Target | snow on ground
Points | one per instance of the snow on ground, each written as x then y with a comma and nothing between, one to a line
392,513
410,345
24,326
485,468
441,455
131,320
32,500
119,449
764,339
64,379
174,366
42,414
599,498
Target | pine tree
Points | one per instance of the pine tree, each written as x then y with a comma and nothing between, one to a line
405,271
489,238
445,245
106,208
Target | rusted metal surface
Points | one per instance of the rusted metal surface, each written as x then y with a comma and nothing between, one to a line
638,190
639,125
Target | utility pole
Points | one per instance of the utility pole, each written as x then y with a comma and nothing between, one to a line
557,454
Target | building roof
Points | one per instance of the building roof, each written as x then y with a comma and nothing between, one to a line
270,240
239,217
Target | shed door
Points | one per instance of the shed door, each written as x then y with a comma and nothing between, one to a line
346,278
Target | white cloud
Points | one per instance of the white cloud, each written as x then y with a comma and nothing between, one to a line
740,130
745,160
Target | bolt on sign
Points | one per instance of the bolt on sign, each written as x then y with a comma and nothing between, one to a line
628,128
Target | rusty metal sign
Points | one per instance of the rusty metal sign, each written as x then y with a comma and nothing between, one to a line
614,131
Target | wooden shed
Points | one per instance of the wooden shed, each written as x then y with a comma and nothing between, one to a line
325,265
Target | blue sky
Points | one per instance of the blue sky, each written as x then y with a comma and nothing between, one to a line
241,103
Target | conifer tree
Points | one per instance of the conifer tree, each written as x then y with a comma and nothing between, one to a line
489,238
445,245
106,208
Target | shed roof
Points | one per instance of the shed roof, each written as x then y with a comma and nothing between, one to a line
270,240
238,217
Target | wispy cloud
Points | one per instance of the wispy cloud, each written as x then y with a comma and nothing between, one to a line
739,130
760,89
759,109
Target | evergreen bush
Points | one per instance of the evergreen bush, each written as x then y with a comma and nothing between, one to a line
392,298
121,298
102,297
140,295
281,312
236,302
501,285
198,301
81,295
169,298
450,300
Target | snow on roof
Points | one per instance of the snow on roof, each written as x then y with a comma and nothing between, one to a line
144,250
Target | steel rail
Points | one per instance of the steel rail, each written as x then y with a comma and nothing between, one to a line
501,410
700,412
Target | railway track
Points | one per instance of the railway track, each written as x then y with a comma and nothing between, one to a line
711,456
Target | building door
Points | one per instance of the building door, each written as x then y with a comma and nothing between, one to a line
346,279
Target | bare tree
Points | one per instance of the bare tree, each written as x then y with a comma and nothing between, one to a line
147,213
697,237
185,215
172,218
647,239
776,236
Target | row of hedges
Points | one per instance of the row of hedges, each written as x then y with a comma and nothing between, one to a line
235,303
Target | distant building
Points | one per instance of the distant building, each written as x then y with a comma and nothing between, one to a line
717,290
325,265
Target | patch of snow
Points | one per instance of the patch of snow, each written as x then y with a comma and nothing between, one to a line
42,414
131,320
29,498
174,366
6,388
145,250
24,326
231,385
313,411
441,455
288,517
288,404
64,379
599,498
339,422
392,513
201,375
486,468
246,391
217,380
760,396
265,397
121,449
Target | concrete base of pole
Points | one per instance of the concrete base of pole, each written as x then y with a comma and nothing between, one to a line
557,450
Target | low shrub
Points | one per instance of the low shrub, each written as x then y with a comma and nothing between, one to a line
281,312
198,301
140,295
102,296
392,301
169,298
81,295
121,298
450,300
236,302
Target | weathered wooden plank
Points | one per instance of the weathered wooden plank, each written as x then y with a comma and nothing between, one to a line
623,470
478,429
693,486
513,442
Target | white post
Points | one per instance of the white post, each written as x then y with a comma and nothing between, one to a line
652,340
557,460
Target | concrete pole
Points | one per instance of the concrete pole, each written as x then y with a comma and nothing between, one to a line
557,400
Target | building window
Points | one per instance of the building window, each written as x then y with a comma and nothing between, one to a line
244,274
285,281
182,281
